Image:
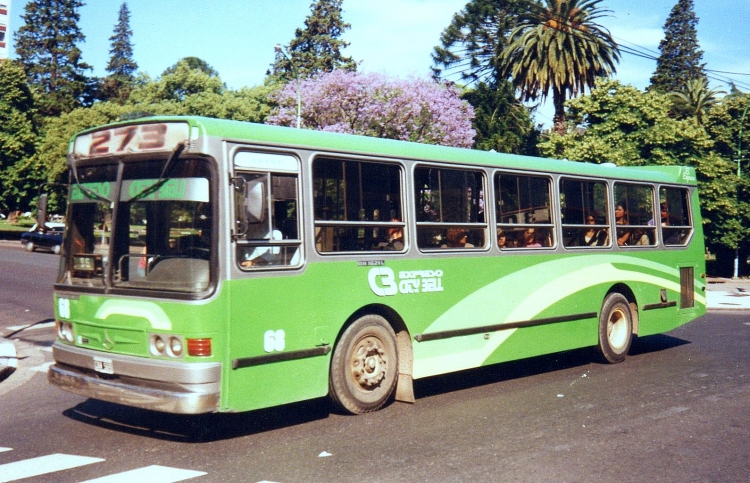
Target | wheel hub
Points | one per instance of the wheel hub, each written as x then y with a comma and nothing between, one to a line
617,329
369,363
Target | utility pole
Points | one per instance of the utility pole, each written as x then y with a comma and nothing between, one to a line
739,174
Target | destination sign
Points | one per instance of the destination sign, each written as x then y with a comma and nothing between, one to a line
131,139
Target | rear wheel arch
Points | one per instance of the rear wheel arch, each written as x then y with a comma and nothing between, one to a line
626,292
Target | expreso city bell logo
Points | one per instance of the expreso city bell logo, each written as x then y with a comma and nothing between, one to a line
384,282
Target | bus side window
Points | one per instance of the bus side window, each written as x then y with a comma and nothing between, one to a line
674,215
523,211
584,210
634,214
449,208
358,206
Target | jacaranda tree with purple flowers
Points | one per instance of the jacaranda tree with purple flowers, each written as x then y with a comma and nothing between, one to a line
374,104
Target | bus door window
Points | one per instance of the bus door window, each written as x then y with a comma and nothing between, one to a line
267,208
674,216
523,211
584,210
358,206
634,214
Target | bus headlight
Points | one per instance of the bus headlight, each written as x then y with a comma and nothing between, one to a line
175,346
166,345
157,345
65,331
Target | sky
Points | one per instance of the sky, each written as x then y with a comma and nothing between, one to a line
237,37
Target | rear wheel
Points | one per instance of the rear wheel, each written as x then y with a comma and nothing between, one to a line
364,366
615,328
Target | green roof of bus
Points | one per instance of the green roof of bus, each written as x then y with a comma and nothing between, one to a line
348,143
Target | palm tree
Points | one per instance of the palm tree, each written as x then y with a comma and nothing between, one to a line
696,99
559,47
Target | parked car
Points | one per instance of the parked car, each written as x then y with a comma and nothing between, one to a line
50,239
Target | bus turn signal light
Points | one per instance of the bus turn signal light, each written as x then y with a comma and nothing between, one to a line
199,347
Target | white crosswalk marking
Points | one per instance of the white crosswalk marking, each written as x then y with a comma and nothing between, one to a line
5,449
160,474
42,465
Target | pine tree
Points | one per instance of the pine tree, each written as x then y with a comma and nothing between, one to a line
46,45
473,42
681,59
318,47
121,66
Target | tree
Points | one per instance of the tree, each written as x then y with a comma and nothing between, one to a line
475,39
500,121
470,48
192,63
695,100
188,77
680,60
47,47
562,48
317,48
18,132
121,66
628,127
375,105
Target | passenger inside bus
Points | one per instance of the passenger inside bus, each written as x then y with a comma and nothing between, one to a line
592,237
261,255
457,238
502,240
395,237
529,239
621,218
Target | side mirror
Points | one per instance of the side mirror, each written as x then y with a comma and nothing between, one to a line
256,200
251,203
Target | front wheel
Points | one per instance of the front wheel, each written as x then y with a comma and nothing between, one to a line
364,366
615,328
30,246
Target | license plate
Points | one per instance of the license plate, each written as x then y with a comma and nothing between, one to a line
104,365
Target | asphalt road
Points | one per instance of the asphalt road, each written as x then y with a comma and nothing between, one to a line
674,411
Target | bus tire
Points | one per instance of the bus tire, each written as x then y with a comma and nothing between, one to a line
615,328
364,366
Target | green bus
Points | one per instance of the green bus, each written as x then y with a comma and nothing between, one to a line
221,266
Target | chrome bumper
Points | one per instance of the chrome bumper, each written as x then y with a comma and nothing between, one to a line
159,385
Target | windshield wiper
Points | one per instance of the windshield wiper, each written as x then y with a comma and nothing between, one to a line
160,182
91,194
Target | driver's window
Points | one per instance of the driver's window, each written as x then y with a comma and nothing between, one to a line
267,230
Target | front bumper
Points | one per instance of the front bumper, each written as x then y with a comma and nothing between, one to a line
155,384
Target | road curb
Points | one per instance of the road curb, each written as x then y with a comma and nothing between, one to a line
28,360
8,359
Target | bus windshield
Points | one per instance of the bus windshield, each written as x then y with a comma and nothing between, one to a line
140,230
